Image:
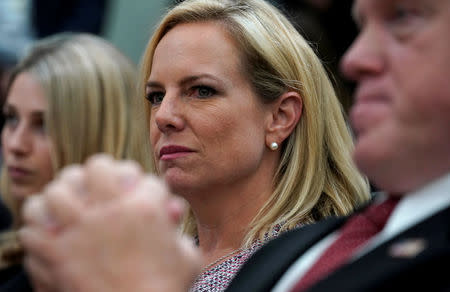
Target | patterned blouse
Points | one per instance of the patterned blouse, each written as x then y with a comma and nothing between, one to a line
218,277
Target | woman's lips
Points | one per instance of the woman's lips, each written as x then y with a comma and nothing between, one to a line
18,173
173,151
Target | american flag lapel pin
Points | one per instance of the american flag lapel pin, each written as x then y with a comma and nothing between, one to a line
407,248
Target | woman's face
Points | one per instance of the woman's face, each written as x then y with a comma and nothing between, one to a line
25,144
207,126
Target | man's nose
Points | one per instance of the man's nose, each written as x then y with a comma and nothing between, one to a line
364,57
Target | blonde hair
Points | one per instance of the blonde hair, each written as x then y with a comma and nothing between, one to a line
316,177
92,103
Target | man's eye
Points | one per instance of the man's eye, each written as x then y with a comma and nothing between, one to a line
204,91
401,13
405,14
155,98
405,21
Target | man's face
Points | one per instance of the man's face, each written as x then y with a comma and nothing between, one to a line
401,63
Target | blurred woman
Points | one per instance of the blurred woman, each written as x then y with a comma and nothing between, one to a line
73,95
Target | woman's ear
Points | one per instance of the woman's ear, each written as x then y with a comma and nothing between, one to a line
286,112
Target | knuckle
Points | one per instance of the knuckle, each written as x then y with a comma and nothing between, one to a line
155,184
32,206
71,172
55,191
144,207
100,159
131,165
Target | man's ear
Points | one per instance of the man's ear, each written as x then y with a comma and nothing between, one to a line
285,114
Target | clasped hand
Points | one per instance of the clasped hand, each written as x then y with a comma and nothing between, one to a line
106,226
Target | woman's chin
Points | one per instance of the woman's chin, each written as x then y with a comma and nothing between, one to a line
176,179
179,188
20,193
183,188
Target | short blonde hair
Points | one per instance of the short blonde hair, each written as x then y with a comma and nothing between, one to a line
92,103
316,177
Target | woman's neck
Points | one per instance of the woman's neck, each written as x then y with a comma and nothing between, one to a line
224,210
223,216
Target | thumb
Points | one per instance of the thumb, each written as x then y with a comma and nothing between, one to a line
193,257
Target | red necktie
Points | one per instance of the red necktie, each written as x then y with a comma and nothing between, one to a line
356,231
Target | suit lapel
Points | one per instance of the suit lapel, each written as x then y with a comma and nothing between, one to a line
267,265
265,268
409,261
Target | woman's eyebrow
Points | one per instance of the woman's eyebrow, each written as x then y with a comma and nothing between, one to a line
185,80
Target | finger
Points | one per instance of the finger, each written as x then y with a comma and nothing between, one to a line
34,212
37,242
128,175
75,177
63,204
41,275
38,287
193,255
153,190
189,247
107,179
99,170
149,202
176,208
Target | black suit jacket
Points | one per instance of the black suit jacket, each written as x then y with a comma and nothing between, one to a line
378,270
54,16
14,279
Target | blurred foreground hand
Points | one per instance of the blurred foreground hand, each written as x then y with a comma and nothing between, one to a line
107,227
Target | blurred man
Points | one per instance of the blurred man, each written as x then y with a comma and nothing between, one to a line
401,115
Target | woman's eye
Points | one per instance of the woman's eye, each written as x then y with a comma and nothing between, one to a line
155,98
39,125
11,120
204,91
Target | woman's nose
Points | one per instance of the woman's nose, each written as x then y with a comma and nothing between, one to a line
169,114
17,140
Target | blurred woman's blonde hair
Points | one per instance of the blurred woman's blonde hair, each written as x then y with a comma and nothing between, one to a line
316,177
92,102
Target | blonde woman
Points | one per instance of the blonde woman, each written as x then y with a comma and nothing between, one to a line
245,126
311,175
72,96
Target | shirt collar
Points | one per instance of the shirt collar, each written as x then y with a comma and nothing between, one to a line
420,204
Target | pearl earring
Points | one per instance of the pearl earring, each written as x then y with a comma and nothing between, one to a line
273,146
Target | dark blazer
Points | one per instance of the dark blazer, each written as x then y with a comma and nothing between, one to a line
377,270
14,279
5,217
54,16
